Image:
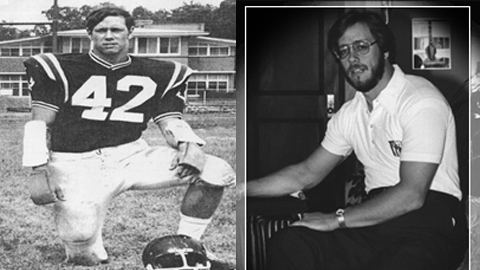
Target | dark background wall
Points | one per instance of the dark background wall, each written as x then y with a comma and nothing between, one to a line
289,74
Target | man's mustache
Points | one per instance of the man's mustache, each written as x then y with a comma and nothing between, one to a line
352,68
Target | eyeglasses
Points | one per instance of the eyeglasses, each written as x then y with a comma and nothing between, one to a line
361,47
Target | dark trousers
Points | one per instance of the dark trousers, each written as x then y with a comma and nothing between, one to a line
434,237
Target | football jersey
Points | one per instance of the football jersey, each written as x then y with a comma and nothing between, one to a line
100,104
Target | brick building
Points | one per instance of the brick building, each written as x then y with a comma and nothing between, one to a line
213,59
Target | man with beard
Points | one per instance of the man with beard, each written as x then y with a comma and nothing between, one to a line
402,130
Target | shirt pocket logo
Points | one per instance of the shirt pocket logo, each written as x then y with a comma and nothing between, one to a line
396,147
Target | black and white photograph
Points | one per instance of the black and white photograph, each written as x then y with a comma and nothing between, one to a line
118,134
357,156
431,43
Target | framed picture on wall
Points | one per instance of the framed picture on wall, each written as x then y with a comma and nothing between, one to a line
431,43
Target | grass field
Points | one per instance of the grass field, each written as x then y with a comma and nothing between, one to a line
27,236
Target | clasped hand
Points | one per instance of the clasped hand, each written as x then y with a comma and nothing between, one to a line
188,161
42,189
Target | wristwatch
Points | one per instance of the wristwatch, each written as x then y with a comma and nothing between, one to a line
340,218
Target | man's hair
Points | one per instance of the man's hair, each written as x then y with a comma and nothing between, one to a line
97,15
380,31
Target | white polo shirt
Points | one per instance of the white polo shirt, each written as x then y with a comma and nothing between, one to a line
410,121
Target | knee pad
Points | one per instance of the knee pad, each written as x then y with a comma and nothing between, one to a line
218,172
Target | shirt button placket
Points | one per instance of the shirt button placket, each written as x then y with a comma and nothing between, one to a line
370,132
370,123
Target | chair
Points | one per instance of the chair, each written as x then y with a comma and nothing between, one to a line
263,221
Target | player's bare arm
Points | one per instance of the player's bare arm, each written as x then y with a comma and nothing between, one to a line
303,175
408,195
35,155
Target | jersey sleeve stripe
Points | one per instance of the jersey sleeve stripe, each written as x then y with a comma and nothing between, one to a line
59,69
185,73
45,66
41,104
176,71
167,115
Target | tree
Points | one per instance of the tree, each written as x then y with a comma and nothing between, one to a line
158,17
223,23
9,33
192,13
84,11
40,30
68,17
220,22
162,16
72,18
142,13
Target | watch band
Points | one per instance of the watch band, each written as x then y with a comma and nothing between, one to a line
341,218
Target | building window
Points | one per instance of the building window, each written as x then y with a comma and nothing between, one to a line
174,45
75,45
158,45
80,45
29,51
205,49
142,45
164,43
198,49
219,51
131,45
196,83
17,84
72,45
10,51
26,51
47,46
27,48
147,45
151,45
25,88
217,82
212,85
85,45
169,45
209,82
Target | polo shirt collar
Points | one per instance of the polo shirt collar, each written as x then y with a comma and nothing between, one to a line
107,64
389,96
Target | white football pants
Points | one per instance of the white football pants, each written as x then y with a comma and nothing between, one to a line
90,180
